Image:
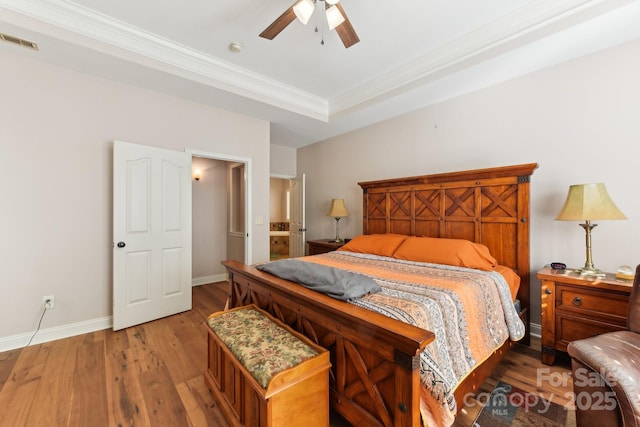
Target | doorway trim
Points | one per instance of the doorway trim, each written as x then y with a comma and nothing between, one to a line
248,247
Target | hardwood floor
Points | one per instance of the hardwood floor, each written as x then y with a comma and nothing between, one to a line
151,375
523,369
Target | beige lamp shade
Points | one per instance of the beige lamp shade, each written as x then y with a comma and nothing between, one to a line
589,202
338,209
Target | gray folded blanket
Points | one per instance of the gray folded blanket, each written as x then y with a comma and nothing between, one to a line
340,284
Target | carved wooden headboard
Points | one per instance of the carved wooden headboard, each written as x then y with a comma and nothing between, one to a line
488,206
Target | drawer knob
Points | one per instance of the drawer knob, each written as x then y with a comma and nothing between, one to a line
547,291
577,301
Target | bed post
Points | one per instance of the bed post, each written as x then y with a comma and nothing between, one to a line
523,251
408,389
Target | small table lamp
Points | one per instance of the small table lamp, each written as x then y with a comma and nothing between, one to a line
586,202
338,210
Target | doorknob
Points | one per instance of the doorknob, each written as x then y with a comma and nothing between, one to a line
121,244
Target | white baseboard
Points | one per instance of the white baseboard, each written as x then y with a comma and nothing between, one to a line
535,330
73,329
215,278
55,333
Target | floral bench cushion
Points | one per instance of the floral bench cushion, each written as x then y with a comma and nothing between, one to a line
260,345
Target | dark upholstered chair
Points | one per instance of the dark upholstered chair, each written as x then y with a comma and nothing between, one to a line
608,365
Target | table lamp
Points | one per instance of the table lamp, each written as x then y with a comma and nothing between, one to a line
587,202
337,210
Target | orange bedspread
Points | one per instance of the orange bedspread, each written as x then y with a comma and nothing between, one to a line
470,311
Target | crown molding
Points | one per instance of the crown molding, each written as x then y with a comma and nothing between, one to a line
85,27
88,28
518,28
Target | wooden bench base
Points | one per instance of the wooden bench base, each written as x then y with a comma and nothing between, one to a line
295,396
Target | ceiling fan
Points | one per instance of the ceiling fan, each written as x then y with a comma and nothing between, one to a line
303,9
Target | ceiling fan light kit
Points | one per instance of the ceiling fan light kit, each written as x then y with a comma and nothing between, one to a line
304,9
334,17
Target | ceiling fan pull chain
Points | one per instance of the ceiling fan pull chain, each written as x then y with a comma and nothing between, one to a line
318,15
321,34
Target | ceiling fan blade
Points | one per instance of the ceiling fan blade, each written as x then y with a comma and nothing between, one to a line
345,30
279,24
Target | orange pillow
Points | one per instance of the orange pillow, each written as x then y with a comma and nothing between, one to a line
457,252
512,278
376,244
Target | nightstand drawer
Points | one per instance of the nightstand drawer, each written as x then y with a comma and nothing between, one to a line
574,307
602,304
570,328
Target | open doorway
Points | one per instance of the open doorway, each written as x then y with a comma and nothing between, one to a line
279,217
220,208
287,229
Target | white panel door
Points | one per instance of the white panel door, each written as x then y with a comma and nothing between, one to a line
151,233
297,230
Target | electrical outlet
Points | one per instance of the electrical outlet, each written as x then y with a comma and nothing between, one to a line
49,301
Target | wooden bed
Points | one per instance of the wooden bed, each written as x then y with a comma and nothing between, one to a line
374,378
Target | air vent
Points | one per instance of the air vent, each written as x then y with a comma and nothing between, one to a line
16,40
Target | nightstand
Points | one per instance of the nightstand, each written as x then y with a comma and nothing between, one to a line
322,246
576,307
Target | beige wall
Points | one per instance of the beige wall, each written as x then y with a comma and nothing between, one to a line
282,161
56,133
580,121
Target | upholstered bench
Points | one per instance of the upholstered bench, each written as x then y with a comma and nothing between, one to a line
263,373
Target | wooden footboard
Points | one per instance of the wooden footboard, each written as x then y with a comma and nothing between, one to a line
374,378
